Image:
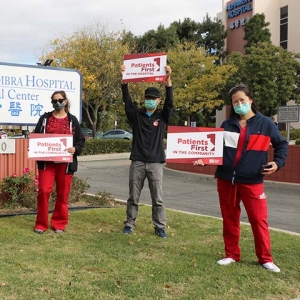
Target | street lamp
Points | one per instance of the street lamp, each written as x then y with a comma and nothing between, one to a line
46,63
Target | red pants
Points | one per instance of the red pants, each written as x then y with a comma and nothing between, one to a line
53,172
255,204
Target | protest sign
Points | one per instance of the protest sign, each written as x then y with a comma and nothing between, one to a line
147,67
50,147
188,144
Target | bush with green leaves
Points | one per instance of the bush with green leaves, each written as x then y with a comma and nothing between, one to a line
103,146
21,191
294,133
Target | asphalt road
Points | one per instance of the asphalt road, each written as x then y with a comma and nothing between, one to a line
189,192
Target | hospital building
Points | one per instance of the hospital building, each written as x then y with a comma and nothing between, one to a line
284,19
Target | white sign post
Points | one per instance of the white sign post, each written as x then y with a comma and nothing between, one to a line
287,114
25,92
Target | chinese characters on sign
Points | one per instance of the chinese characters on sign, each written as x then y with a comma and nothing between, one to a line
236,9
238,23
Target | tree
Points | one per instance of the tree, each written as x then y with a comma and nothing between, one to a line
158,41
197,80
214,38
271,73
97,53
256,31
209,34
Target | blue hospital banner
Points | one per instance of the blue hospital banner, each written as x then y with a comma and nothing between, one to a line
25,92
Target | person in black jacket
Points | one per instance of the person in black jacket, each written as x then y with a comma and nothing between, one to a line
147,153
247,138
58,121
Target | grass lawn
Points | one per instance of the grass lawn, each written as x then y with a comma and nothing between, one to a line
93,259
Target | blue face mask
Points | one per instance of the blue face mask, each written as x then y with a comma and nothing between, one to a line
242,109
150,104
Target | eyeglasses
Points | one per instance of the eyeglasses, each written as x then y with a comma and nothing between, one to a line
54,101
237,87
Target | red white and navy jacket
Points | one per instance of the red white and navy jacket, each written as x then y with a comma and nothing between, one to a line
261,131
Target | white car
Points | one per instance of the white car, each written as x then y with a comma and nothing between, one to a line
17,136
3,134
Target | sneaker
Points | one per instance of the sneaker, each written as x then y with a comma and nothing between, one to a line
38,231
160,232
225,261
58,231
127,230
270,266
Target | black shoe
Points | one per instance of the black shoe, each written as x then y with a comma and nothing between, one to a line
160,232
38,231
127,230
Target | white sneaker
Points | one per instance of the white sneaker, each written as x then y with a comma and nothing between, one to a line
225,261
270,266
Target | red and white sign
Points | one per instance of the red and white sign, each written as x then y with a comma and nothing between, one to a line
188,144
147,67
50,147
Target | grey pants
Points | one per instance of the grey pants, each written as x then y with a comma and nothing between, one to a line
139,171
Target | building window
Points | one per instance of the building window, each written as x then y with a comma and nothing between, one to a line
284,14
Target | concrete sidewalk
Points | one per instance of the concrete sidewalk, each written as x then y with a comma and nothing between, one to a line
103,156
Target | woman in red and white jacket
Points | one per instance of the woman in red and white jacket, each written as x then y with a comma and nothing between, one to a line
247,138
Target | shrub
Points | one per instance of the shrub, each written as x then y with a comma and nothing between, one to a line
297,142
78,189
102,198
19,191
294,134
102,146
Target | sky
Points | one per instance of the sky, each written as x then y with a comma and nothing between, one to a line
27,26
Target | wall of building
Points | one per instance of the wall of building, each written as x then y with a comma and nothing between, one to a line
293,24
15,163
289,173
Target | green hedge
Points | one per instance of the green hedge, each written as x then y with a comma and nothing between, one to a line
294,134
102,146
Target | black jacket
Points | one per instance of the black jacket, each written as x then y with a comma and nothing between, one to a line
148,132
78,139
261,132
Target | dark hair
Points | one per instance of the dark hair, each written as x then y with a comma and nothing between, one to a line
63,93
245,89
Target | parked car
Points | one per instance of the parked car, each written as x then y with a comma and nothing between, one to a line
116,134
3,134
88,133
17,136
